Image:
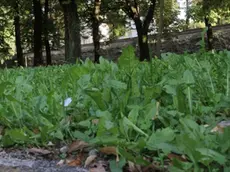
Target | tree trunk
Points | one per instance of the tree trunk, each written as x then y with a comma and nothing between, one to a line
187,14
46,34
95,26
72,31
144,47
209,35
143,43
160,28
20,59
37,33
142,27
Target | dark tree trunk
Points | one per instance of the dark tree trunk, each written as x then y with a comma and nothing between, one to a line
37,33
72,31
187,14
209,34
95,26
142,41
160,29
46,34
20,59
142,27
143,47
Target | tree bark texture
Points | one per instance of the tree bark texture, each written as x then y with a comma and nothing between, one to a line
142,27
187,13
95,26
20,59
46,34
37,33
209,35
160,28
72,31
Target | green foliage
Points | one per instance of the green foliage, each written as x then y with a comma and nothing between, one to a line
217,11
171,12
6,36
143,109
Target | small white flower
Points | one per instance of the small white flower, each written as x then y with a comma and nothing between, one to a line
67,101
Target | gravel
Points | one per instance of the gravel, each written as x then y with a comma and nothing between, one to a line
21,162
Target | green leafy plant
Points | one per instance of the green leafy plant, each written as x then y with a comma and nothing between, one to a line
143,109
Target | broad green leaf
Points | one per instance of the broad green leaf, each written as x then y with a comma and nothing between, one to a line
45,122
226,169
205,64
170,89
108,124
180,100
19,80
213,155
189,125
58,134
128,60
81,136
117,166
151,93
107,140
17,135
85,123
189,61
97,97
180,166
105,114
188,77
126,121
107,94
137,159
160,139
4,86
7,141
84,81
188,145
117,84
133,115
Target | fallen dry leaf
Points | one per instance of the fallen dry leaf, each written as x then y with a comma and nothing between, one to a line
95,121
109,150
36,130
220,126
76,162
153,167
217,129
77,145
61,162
39,151
64,149
178,157
89,160
100,166
99,169
133,167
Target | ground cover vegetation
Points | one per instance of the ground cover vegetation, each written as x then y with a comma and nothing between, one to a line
151,111
146,110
